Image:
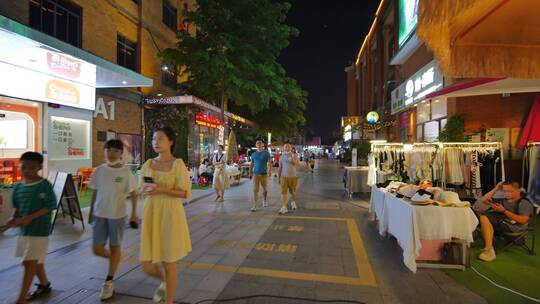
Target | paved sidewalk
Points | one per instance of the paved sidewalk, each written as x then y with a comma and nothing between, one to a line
326,250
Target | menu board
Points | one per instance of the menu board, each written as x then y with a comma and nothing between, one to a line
69,139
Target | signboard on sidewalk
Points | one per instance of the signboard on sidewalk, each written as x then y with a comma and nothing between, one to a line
67,199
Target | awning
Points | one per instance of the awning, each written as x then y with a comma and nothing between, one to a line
531,132
487,86
18,40
188,99
482,38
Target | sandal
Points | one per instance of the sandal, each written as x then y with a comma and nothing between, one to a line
39,292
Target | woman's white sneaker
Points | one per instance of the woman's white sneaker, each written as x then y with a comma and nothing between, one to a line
159,294
283,210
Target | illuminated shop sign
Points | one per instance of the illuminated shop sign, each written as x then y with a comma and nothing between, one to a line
407,19
427,80
207,121
372,117
29,70
350,120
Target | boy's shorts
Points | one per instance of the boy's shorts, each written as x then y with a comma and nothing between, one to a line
108,229
288,184
32,248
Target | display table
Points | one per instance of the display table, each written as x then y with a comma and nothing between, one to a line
414,225
356,180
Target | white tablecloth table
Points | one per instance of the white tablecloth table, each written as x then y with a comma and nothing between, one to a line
356,180
412,224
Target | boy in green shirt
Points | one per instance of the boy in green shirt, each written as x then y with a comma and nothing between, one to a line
33,200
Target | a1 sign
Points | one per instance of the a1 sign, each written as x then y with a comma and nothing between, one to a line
101,109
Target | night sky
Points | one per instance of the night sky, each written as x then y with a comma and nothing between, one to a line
330,36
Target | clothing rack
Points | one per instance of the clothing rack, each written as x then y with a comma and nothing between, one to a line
440,147
495,145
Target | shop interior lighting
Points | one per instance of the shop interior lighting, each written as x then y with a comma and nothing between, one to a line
159,94
378,141
124,82
408,147
165,68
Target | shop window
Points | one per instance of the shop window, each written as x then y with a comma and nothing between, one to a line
59,18
443,123
168,78
431,131
419,132
170,15
438,108
422,112
126,53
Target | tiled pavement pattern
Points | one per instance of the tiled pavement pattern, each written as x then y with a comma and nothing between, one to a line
326,250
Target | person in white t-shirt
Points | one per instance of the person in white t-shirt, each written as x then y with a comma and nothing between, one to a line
112,183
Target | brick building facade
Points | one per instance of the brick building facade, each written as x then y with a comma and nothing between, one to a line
126,32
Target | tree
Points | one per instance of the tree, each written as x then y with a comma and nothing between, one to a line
454,131
233,57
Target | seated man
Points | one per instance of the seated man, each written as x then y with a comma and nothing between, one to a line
510,215
204,171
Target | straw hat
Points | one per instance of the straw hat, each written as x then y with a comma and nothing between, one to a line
436,191
408,190
421,198
452,198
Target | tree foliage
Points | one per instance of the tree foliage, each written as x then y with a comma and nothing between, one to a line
233,57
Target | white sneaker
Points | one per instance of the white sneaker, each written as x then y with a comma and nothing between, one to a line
107,291
159,294
253,209
283,210
265,204
293,205
221,200
487,255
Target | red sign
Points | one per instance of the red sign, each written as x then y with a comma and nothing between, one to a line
207,121
64,65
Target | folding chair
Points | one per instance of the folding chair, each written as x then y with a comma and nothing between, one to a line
520,238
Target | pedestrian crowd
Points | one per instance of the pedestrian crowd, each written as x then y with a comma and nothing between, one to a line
163,184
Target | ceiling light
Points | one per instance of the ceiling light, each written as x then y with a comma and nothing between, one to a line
124,82
159,94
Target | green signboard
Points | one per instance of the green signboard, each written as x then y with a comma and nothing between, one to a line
407,19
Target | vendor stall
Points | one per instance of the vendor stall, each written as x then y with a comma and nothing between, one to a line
475,167
422,229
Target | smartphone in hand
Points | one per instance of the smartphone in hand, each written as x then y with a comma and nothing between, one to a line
148,180
133,225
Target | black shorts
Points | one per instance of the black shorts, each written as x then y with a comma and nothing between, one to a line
499,222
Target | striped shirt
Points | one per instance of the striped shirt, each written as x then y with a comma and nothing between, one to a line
28,199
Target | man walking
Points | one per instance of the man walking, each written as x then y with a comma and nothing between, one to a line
259,170
287,177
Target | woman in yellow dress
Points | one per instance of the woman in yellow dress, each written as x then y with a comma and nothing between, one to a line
165,235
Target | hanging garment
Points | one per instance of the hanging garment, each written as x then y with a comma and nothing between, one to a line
454,170
490,170
466,165
372,171
475,172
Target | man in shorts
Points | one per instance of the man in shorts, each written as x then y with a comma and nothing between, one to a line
510,215
259,170
287,177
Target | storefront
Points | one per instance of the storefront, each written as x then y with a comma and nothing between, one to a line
199,125
420,119
47,98
118,115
